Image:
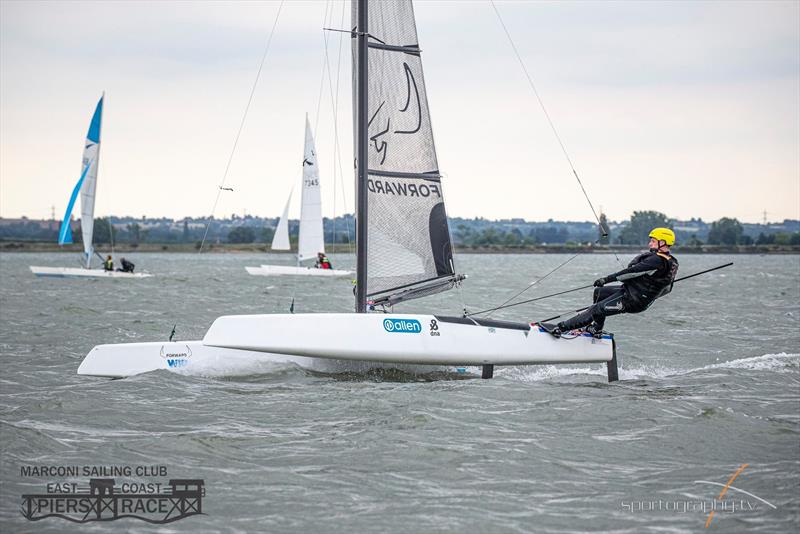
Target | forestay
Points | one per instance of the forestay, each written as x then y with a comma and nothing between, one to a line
408,237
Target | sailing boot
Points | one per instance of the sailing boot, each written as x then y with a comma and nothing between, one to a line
595,330
579,321
551,329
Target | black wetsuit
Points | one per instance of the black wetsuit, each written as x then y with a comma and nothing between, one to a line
650,275
127,267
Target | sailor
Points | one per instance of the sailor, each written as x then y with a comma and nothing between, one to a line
649,276
323,262
127,267
108,265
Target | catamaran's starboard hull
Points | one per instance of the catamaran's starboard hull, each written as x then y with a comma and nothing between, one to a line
287,270
405,339
193,357
77,272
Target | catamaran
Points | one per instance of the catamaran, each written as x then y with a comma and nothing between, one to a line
87,187
403,251
311,240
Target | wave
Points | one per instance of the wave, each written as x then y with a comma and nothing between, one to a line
767,362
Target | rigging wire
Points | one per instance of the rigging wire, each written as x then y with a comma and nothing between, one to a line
322,73
337,147
503,305
222,187
547,115
531,300
602,227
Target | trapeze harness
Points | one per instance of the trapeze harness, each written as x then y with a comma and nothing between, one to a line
649,276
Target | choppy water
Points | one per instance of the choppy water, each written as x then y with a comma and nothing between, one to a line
710,381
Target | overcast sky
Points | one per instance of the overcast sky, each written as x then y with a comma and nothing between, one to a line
689,108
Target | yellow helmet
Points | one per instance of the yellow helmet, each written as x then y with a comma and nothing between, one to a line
663,234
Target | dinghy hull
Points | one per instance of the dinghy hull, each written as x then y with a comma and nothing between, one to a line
78,272
287,270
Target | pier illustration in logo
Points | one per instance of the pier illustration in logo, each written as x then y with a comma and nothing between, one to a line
104,501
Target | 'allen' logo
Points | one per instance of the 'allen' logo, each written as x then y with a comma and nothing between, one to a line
406,326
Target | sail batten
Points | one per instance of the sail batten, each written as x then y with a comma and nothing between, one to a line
408,239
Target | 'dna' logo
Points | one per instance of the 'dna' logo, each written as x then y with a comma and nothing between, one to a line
409,326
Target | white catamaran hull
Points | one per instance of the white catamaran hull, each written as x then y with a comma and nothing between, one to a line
129,359
79,272
288,270
414,339
332,343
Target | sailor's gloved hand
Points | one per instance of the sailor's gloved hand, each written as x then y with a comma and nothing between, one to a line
600,282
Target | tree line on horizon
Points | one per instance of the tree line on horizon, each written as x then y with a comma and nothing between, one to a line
466,233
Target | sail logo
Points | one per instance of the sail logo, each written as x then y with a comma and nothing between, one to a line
179,358
405,326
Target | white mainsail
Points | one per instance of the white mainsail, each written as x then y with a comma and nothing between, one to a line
311,239
280,241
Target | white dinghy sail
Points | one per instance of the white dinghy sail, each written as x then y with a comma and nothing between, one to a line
87,187
311,239
402,239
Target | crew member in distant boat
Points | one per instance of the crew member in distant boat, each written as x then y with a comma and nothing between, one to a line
323,262
108,265
649,276
127,267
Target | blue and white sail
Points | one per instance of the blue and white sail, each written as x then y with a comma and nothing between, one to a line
87,186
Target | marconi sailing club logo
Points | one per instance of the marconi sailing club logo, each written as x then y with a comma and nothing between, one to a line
132,493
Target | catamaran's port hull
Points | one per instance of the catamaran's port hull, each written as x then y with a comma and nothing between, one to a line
77,272
287,270
406,339
193,357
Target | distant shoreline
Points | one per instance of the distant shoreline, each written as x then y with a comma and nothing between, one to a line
127,248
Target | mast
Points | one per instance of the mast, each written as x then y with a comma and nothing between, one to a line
362,161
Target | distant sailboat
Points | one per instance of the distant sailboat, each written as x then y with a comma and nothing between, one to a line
87,187
311,240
